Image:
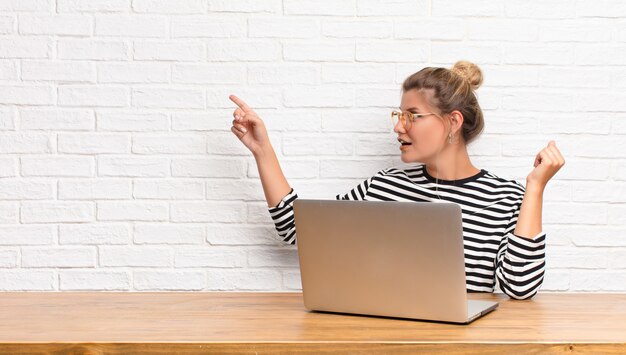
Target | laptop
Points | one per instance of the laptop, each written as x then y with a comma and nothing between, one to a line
384,258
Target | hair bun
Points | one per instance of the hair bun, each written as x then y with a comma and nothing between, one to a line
470,72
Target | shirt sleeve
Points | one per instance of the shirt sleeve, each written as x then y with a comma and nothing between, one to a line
282,213
520,263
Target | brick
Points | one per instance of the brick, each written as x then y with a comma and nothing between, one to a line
158,233
169,280
101,96
131,26
93,143
46,166
94,234
58,257
90,280
62,25
128,166
96,189
56,211
57,119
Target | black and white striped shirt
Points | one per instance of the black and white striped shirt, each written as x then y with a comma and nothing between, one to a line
490,205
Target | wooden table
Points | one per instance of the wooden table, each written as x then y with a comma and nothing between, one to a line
257,323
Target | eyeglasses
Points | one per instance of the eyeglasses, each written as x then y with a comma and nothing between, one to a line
407,118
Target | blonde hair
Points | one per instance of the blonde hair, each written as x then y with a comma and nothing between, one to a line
453,89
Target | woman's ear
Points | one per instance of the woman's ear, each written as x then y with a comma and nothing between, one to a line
456,121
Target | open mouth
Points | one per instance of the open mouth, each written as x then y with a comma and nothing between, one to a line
402,142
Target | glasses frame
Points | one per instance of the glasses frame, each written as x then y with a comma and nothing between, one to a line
402,118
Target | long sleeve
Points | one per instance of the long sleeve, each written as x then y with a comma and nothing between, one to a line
520,263
282,214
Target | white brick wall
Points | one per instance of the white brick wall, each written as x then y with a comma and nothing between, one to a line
118,170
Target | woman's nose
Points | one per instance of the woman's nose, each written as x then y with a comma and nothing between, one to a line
399,128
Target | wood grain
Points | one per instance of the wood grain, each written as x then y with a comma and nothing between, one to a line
248,322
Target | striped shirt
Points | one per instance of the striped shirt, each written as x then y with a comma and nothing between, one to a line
495,257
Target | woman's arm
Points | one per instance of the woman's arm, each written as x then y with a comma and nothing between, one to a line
250,130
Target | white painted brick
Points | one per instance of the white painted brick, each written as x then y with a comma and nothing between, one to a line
600,147
576,258
535,100
94,234
241,234
352,168
431,29
290,120
25,190
26,95
322,144
225,143
257,214
169,7
133,72
503,30
184,189
284,27
449,53
133,166
8,70
83,280
557,54
25,48
392,8
132,211
191,27
25,143
136,256
243,50
57,119
8,167
579,77
617,214
132,121
58,257
255,96
377,145
358,73
361,29
131,25
207,120
247,190
7,24
318,51
555,280
283,74
355,120
619,170
169,144
575,31
544,9
9,258
208,74
9,212
93,143
617,258
392,51
173,51
292,280
209,257
168,98
207,167
483,8
325,7
47,166
602,8
593,191
598,280
169,280
56,211
98,189
93,5
321,96
92,49
227,212
27,234
159,233
294,169
26,5
246,6
593,101
377,98
567,213
18,280
272,257
62,25
510,75
243,279
88,95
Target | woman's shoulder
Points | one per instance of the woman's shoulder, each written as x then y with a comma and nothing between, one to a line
502,183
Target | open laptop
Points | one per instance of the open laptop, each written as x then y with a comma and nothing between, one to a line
384,258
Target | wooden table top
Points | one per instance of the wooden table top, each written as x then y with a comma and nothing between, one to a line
280,317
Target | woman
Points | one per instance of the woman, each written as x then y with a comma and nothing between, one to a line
438,116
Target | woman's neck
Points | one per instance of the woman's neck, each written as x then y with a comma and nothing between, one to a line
452,164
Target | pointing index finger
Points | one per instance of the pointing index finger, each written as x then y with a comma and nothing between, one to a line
240,103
